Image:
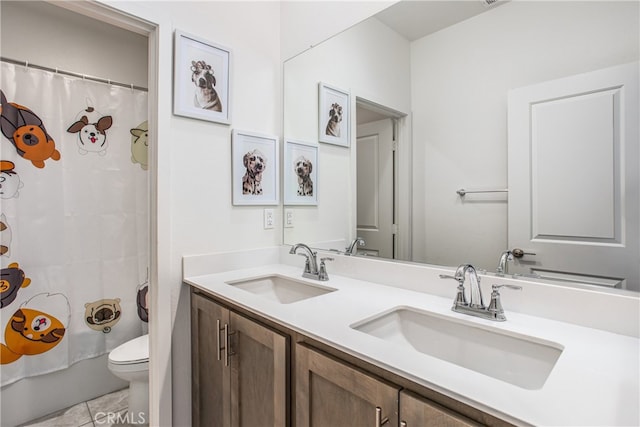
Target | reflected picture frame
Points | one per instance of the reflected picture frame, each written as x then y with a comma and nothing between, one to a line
300,173
201,79
334,115
255,168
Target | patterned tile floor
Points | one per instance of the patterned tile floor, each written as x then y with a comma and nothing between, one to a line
104,411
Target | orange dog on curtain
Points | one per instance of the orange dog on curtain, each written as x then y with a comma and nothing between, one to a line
26,132
32,330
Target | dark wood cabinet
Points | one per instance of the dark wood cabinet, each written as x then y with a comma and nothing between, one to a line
246,372
330,393
239,369
415,411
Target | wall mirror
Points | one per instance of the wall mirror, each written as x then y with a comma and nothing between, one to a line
441,93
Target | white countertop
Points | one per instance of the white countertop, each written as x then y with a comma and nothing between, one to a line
596,380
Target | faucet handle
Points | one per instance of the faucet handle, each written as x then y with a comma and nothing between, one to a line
322,270
495,306
448,276
307,264
496,288
460,299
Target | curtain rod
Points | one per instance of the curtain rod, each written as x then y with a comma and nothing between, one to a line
27,64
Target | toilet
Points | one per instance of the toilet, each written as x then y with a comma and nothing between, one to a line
130,361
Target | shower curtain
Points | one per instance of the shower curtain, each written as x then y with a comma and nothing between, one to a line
73,219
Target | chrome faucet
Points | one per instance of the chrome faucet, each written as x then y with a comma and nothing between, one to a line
503,267
509,255
351,249
475,306
311,270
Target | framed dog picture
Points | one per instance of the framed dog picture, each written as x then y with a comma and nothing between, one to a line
255,168
300,173
201,86
333,115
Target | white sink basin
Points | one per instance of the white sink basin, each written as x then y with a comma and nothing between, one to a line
517,359
281,289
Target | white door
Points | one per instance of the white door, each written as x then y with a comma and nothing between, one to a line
573,177
375,188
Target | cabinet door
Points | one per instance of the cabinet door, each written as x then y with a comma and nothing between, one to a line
416,411
258,360
210,378
330,393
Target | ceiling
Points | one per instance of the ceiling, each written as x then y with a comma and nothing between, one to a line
415,19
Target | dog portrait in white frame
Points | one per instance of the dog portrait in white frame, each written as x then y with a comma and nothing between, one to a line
334,113
300,173
255,168
201,79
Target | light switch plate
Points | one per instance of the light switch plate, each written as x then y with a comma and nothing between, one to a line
269,219
288,218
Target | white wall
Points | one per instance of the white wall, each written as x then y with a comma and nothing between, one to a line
47,35
306,23
58,38
460,79
346,62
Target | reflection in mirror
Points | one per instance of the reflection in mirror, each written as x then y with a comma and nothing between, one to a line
450,94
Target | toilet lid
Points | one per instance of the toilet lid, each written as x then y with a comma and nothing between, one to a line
134,351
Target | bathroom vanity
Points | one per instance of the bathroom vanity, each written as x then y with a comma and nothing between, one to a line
378,344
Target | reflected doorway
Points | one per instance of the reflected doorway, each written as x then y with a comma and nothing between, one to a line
376,188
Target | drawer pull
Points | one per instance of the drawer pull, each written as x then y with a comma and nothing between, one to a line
218,336
379,421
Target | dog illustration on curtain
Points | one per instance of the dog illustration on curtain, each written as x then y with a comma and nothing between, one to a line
36,327
27,133
12,279
91,128
142,301
10,183
101,315
140,145
5,238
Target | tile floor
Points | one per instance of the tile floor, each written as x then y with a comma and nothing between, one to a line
104,411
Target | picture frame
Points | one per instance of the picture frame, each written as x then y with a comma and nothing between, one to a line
255,168
300,173
201,79
334,115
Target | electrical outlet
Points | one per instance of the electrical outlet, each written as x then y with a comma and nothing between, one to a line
269,220
288,218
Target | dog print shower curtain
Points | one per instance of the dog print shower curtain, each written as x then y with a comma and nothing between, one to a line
73,219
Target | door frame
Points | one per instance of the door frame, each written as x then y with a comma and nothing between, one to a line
156,26
403,176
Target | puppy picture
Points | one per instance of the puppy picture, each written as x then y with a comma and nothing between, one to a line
205,93
301,176
255,164
91,128
333,115
303,168
201,82
255,168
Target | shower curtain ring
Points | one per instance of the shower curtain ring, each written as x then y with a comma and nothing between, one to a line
26,64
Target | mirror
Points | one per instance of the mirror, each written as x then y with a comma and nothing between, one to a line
439,73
